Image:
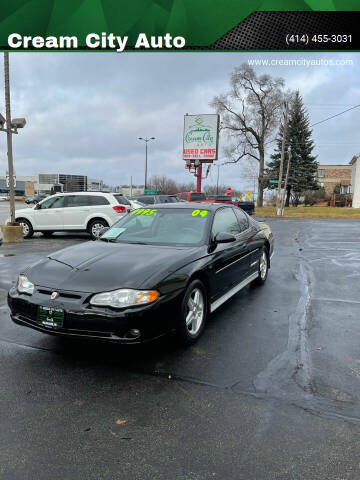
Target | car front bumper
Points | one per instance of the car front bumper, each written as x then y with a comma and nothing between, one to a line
82,320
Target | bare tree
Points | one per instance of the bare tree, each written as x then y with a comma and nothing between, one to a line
214,189
249,114
221,190
186,187
164,185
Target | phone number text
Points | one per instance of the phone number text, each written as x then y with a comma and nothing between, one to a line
305,39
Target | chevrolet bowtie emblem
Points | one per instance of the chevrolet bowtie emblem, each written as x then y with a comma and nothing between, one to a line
54,295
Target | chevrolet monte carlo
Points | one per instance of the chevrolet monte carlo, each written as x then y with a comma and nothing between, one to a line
156,270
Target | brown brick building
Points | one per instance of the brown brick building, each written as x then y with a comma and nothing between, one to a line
329,176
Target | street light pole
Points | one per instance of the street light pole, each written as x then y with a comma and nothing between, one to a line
12,232
145,165
9,138
146,140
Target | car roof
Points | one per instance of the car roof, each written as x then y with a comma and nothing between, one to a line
87,193
193,205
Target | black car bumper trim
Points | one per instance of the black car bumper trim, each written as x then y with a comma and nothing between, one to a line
64,332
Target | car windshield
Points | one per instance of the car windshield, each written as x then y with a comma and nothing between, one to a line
161,226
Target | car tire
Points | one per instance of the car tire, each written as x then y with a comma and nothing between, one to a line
28,230
95,227
195,301
263,267
47,233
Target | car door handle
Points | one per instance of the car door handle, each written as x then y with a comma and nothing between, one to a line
84,210
242,245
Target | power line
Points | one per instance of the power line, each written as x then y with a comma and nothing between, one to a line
321,121
333,116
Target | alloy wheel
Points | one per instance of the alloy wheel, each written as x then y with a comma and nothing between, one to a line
195,311
96,228
25,228
263,266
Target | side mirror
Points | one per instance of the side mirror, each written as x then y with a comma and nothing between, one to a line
224,237
102,231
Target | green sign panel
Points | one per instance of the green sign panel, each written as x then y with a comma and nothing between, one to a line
150,192
273,181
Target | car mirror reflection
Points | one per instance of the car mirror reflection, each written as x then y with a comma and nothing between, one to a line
102,231
224,237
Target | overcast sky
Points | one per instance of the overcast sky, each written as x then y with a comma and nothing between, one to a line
85,111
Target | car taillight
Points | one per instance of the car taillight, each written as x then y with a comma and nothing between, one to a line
119,209
236,204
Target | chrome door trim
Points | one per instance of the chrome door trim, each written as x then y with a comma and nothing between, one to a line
232,292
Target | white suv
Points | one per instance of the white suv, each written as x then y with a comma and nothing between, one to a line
76,211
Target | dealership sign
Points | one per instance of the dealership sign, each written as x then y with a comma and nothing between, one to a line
201,135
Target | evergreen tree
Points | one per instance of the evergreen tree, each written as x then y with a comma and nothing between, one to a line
303,165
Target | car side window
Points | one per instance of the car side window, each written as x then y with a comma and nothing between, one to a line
46,203
242,219
225,221
71,201
77,201
57,203
98,200
147,199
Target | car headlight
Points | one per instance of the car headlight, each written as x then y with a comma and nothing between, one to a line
124,298
24,285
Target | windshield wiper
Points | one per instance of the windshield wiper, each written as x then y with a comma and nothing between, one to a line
137,243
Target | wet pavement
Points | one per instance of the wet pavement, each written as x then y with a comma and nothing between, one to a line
271,390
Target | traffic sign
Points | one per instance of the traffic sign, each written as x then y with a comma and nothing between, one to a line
150,192
273,181
8,181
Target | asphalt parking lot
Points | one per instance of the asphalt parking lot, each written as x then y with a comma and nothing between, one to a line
270,391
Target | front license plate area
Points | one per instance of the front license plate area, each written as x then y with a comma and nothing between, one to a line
51,317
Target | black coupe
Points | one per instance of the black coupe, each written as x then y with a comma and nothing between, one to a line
156,270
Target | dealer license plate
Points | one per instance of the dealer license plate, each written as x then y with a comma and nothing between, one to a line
51,317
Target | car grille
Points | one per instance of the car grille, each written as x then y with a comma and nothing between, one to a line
45,291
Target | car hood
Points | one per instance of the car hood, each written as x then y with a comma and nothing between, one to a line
98,266
23,210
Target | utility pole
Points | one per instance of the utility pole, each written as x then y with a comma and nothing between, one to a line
131,186
9,138
217,181
279,200
286,181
